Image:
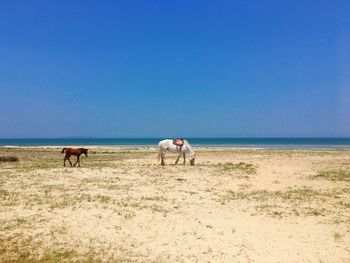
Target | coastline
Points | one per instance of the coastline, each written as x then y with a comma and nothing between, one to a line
195,142
198,147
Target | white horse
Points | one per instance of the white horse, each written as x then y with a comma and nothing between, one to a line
168,145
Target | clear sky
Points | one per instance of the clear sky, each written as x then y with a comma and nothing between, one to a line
174,68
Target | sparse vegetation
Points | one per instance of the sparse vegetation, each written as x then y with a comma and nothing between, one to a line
297,201
51,213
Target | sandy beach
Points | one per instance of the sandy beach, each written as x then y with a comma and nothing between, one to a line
234,205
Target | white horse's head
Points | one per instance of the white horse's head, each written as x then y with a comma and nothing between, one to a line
192,159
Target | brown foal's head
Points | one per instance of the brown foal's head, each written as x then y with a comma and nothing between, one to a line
85,151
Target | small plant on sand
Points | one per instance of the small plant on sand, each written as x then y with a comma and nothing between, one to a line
337,236
316,212
8,159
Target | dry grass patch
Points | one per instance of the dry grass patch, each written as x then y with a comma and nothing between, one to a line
247,168
334,175
230,168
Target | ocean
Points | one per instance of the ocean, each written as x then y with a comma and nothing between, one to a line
204,142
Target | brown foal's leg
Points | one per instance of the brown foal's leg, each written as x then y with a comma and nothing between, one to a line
76,161
67,157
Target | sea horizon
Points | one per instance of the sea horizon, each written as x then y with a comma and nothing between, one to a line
252,142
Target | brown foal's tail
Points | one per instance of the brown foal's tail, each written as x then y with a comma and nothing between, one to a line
63,150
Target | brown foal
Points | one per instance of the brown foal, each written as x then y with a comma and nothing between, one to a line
72,151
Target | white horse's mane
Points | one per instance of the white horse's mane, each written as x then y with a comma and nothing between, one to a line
188,145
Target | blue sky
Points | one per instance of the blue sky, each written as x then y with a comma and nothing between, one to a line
174,68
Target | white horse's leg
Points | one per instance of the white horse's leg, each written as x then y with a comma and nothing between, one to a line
184,154
162,155
178,158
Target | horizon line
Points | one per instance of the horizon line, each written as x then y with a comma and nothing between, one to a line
190,137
